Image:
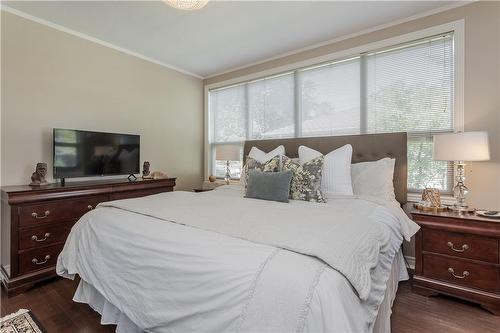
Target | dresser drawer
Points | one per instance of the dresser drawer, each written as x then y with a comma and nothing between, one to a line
39,258
138,193
459,245
57,211
460,272
44,235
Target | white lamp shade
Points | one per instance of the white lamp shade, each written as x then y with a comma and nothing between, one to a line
465,146
227,153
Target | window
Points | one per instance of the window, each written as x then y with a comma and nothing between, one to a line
330,99
410,88
407,87
271,107
230,117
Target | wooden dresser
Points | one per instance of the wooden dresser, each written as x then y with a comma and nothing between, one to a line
458,255
36,221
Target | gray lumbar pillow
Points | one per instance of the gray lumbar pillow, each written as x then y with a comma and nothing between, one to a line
274,186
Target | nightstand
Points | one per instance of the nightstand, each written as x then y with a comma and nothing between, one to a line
458,255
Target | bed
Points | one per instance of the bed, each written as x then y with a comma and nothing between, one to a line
218,262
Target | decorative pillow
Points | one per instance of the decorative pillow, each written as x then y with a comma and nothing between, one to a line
274,186
336,176
306,180
374,178
272,165
261,157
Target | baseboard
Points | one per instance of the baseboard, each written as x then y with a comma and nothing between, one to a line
410,261
5,270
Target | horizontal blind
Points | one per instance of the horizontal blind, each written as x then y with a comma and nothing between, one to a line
410,89
271,107
229,114
330,99
403,88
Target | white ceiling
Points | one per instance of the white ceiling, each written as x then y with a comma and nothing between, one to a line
224,34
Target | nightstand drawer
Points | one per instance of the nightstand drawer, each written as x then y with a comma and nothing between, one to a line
460,272
460,245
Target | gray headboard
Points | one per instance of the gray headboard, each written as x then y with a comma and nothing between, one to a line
366,147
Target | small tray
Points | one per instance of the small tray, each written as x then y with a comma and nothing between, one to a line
481,213
430,209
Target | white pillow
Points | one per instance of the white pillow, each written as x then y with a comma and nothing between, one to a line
262,157
374,178
336,176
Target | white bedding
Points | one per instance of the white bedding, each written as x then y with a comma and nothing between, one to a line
168,277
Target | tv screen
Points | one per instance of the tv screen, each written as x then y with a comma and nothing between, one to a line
84,153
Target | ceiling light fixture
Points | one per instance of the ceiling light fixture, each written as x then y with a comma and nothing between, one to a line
186,4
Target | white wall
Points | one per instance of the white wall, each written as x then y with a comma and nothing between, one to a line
53,79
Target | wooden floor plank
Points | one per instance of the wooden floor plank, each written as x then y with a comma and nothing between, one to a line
52,304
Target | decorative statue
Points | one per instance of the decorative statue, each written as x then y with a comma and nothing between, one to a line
146,174
38,177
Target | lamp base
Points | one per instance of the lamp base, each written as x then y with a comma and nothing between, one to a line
460,191
461,209
228,174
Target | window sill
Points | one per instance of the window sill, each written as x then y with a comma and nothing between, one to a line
446,199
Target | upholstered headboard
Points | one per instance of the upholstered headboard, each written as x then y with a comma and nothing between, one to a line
366,147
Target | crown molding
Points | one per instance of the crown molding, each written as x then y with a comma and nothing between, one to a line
349,36
61,28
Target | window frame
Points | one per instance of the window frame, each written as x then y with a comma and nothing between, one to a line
457,27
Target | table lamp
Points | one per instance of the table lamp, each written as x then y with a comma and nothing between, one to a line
227,153
461,147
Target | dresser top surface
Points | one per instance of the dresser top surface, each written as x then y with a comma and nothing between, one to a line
78,185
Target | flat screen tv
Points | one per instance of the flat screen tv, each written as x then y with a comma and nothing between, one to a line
85,153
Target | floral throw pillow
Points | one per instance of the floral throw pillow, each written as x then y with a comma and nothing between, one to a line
273,165
306,180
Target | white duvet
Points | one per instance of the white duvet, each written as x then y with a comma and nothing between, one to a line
217,262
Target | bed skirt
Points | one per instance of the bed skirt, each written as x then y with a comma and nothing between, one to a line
110,314
398,273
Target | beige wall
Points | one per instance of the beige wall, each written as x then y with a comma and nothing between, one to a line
53,79
482,82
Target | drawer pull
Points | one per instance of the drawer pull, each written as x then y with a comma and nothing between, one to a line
35,238
36,262
463,276
464,247
89,207
35,215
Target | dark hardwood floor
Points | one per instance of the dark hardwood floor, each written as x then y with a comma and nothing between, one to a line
414,313
52,304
